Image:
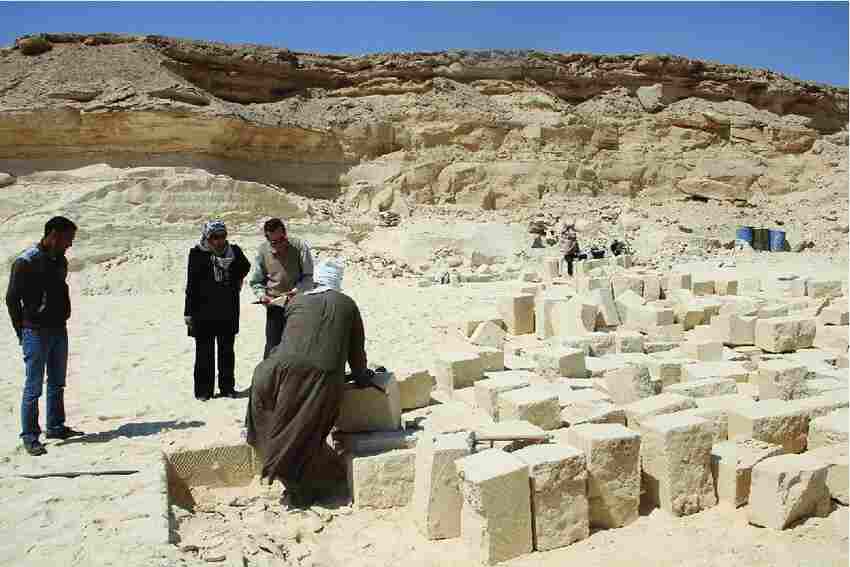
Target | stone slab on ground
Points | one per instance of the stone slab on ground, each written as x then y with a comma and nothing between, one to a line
369,409
487,391
708,387
384,480
517,312
630,383
488,334
676,461
787,488
414,388
830,429
436,497
457,369
785,334
781,379
836,458
537,405
376,441
702,350
613,465
701,370
577,413
559,494
773,421
734,330
496,512
562,362
732,464
655,405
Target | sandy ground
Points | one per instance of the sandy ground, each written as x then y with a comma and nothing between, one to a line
130,389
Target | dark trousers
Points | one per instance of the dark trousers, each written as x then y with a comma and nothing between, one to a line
205,359
275,322
569,259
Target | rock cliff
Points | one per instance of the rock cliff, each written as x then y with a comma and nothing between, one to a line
487,129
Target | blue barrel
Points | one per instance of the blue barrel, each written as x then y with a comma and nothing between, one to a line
744,234
777,240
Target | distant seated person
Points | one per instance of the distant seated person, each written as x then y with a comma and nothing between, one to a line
297,391
617,247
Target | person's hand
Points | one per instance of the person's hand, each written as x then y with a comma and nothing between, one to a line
265,300
188,320
291,293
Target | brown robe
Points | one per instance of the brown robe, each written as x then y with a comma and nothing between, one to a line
297,391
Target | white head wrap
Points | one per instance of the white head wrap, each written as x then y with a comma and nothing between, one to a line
328,275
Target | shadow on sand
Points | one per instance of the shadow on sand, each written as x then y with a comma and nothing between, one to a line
134,430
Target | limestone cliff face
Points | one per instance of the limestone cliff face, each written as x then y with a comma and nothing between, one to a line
483,129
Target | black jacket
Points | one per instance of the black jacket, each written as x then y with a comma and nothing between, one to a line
37,296
214,306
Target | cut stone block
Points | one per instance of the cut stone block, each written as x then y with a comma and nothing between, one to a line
641,410
831,338
492,359
487,392
705,351
550,268
734,330
773,421
836,459
785,334
488,334
787,488
567,362
817,288
368,409
818,406
628,342
732,465
676,281
702,287
604,301
546,314
535,404
704,370
780,379
666,371
789,285
630,383
374,442
558,494
627,282
468,326
676,461
836,314
464,395
689,315
830,429
613,466
384,480
414,387
517,311
717,417
659,346
509,428
437,500
577,317
772,311
496,512
457,370
576,413
724,286
704,388
651,287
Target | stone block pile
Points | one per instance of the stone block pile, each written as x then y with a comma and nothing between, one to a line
669,390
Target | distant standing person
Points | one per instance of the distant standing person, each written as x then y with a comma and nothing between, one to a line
283,267
216,272
39,305
569,245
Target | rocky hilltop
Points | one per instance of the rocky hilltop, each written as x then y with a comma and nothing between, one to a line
483,129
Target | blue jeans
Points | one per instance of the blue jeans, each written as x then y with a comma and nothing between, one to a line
44,349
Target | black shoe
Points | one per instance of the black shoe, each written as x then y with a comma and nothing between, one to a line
64,433
202,398
35,448
230,394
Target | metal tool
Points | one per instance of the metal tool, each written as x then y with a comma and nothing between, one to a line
474,439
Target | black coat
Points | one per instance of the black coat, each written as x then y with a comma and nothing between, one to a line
214,306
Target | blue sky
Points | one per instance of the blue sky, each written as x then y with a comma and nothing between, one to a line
808,40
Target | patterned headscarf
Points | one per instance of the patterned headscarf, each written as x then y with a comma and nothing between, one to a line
221,263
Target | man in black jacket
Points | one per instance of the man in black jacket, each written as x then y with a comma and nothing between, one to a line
217,269
39,306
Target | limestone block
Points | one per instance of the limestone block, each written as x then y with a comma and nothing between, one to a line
628,341
558,493
651,287
496,512
368,409
488,334
613,466
436,496
817,288
374,441
550,268
467,326
780,379
535,404
727,402
384,480
601,344
578,412
665,371
725,286
414,387
689,315
651,347
732,465
718,418
830,429
588,284
604,301
676,281
836,314
785,286
464,395
734,330
487,392
785,334
772,311
546,314
630,383
492,359
787,488
578,383
706,351
704,388
836,459
819,386
676,461
831,338
773,421
817,406
641,410
455,370
509,428
627,281
577,317
702,287
703,370
674,332
567,362
518,313
629,307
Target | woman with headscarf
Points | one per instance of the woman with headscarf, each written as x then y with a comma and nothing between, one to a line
296,392
216,271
